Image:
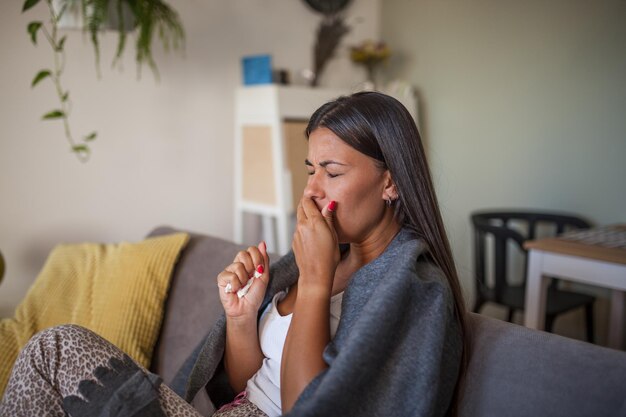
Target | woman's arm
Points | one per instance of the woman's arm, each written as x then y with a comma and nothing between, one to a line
308,335
316,249
243,356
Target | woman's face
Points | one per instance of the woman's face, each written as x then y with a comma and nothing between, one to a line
341,173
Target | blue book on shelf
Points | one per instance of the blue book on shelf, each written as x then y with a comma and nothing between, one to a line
257,69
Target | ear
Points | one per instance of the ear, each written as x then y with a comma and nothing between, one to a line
389,189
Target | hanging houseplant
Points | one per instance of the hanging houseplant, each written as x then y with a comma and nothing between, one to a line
145,17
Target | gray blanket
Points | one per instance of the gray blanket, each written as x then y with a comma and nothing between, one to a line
397,350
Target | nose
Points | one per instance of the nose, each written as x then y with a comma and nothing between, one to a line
314,189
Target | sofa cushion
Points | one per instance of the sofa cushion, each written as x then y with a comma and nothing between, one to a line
116,290
515,371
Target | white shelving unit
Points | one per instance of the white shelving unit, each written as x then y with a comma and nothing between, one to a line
269,132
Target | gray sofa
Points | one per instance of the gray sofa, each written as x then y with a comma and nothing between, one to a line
513,371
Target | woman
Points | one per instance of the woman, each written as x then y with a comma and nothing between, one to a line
365,316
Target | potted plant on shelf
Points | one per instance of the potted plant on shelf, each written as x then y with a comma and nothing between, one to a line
145,17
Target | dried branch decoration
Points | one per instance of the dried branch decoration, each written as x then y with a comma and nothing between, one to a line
331,30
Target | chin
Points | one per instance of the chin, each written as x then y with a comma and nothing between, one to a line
353,228
341,236
344,236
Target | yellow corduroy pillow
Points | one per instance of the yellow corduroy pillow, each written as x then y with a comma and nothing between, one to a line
116,290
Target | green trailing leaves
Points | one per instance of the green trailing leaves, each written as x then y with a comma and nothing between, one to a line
82,152
54,114
95,17
121,44
40,76
62,11
80,148
61,44
33,28
28,4
155,17
148,18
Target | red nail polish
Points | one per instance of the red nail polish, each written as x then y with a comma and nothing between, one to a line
332,206
260,269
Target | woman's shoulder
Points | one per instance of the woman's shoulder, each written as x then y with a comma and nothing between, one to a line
417,256
411,254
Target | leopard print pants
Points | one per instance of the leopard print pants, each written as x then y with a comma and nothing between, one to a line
55,360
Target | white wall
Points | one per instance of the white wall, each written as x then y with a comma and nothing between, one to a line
522,104
165,150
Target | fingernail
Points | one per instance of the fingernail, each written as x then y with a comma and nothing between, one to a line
228,289
258,272
332,206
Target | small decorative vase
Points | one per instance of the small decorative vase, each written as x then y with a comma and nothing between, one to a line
370,67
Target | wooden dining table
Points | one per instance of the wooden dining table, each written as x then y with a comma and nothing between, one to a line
594,256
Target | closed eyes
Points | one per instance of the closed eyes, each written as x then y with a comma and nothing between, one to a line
327,173
324,164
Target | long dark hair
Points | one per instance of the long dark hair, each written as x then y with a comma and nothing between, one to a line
380,127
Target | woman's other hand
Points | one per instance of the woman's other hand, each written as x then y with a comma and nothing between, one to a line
243,356
235,277
316,246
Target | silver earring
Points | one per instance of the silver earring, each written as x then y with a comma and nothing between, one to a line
388,201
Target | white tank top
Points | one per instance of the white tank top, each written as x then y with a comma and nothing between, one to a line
264,386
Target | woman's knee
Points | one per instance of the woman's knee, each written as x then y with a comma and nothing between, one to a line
67,332
69,351
54,339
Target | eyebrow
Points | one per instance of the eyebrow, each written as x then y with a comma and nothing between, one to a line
324,163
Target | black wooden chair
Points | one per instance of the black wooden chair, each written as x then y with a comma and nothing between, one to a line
508,228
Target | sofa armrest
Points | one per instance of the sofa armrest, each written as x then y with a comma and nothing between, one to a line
516,371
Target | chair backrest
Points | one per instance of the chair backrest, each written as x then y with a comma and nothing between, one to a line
517,227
